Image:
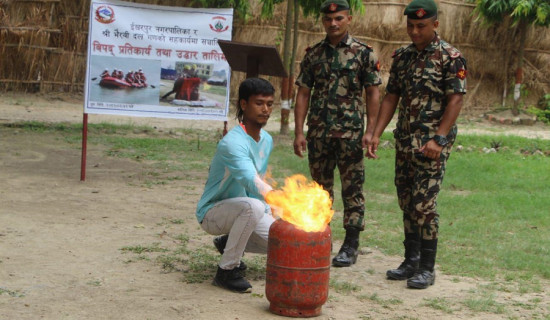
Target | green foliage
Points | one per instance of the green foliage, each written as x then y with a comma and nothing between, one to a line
530,11
139,249
484,302
201,266
343,286
11,293
386,303
268,7
492,11
439,304
543,112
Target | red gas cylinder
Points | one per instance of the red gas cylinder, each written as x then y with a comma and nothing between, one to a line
298,270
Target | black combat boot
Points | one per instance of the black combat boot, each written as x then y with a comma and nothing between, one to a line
412,260
349,251
425,276
220,242
232,280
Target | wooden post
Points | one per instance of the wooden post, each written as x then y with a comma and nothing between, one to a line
84,147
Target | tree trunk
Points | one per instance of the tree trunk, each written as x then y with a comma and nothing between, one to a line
507,53
294,42
519,70
289,88
285,104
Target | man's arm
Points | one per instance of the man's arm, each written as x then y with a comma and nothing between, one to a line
300,113
373,106
387,109
235,156
454,104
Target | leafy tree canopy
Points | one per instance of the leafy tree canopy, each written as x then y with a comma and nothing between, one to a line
529,11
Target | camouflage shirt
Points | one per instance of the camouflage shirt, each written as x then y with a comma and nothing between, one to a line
423,80
337,76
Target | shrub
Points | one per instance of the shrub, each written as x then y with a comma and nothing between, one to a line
543,110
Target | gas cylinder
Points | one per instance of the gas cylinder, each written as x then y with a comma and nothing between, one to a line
298,270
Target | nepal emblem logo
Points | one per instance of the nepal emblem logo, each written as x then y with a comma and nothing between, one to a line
105,14
219,24
420,12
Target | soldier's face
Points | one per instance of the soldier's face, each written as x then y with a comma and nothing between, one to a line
422,31
336,25
257,109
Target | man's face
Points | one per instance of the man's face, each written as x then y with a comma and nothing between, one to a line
336,24
422,31
257,109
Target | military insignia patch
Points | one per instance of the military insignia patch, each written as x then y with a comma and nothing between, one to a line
461,74
420,13
378,65
332,7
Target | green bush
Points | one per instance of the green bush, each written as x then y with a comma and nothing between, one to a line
543,110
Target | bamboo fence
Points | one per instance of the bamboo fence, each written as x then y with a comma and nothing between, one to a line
43,43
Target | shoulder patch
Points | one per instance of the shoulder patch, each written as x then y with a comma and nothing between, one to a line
461,74
398,52
452,51
309,48
362,43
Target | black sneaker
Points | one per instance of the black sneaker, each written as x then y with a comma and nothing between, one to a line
232,280
220,242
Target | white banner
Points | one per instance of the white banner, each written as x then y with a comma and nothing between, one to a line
156,61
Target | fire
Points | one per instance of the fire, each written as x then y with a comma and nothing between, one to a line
304,204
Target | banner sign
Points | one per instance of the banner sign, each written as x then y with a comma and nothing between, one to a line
157,61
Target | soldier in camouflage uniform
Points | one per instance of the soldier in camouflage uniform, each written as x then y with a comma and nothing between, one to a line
429,78
333,75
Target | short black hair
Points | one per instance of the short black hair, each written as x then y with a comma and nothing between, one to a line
250,87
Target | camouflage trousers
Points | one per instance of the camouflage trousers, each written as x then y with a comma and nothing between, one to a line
418,181
324,155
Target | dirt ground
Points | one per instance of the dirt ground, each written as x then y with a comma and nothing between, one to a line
60,239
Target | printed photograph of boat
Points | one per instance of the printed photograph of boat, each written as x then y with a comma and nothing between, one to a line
119,80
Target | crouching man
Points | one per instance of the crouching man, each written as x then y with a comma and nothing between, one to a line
233,204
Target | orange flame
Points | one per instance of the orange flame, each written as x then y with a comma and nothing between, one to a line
306,205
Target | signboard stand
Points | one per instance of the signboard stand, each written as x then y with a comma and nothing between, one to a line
254,59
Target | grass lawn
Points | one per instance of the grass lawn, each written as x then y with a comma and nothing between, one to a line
494,206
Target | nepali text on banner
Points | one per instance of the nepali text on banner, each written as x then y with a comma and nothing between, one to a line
157,61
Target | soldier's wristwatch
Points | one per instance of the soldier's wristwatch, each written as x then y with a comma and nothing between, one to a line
440,140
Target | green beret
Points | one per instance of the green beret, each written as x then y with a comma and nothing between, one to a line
331,6
421,9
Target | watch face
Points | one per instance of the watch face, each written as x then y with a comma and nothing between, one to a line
441,140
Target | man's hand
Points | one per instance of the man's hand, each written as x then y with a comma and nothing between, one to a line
300,145
372,147
431,150
367,137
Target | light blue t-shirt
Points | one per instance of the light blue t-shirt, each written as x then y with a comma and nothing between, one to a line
237,169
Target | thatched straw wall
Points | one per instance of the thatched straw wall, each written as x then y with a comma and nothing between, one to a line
43,44
384,27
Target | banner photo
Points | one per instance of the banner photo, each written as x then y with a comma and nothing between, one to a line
157,61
